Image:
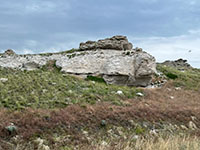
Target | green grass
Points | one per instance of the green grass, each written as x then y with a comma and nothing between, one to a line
48,88
96,79
62,52
190,78
52,89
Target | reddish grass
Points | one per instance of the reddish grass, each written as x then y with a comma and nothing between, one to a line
156,106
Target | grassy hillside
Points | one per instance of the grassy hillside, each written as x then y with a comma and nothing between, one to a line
52,89
189,78
52,110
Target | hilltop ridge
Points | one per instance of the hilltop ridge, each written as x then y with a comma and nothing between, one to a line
112,59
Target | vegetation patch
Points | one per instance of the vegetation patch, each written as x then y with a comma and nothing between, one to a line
46,88
171,76
63,52
188,78
51,66
72,51
96,79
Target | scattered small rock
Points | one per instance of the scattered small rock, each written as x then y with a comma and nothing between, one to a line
104,143
169,89
70,91
178,88
153,132
41,145
11,128
85,132
39,141
135,137
110,131
139,94
132,122
184,127
193,118
119,131
44,147
119,92
192,125
103,123
44,90
16,138
3,80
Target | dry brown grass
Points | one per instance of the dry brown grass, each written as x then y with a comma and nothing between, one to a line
154,143
171,143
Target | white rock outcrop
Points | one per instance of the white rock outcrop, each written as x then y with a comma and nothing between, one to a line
132,68
122,66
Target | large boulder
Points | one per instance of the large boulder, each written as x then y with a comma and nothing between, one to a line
113,59
113,43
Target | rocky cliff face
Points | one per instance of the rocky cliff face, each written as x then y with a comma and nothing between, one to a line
113,59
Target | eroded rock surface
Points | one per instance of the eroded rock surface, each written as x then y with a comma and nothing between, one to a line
113,43
113,59
131,67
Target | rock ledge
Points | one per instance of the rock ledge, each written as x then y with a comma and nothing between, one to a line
112,59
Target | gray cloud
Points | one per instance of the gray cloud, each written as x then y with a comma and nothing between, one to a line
172,48
49,25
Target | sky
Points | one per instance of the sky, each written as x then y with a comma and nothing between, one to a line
167,29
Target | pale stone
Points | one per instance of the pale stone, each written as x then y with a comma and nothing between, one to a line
119,65
3,79
119,92
140,94
192,125
115,67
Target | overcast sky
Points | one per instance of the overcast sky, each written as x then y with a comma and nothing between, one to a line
167,29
